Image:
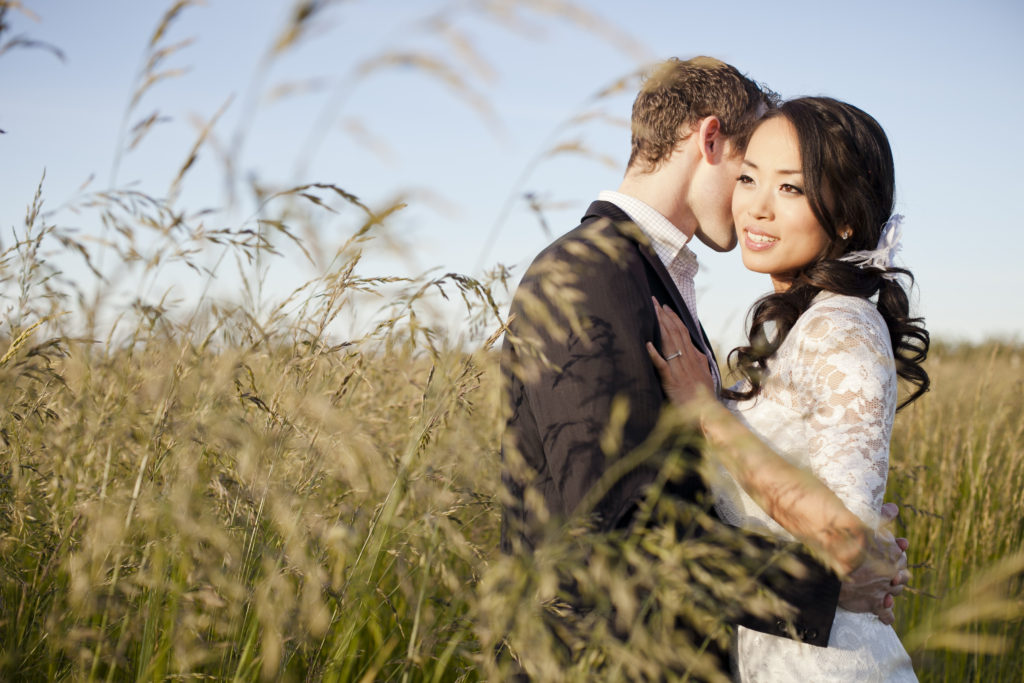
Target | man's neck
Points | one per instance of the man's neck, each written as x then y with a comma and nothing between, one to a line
664,190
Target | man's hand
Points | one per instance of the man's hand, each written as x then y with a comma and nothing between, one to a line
873,585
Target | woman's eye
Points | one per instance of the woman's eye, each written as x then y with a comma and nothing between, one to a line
744,179
791,189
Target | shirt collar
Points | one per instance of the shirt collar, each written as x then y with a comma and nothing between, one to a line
668,241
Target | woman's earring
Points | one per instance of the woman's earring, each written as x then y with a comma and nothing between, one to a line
845,235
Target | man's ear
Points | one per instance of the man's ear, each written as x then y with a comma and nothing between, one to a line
710,139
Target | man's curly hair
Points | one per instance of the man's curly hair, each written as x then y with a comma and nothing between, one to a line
678,94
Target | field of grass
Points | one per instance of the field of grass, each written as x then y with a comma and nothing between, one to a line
958,472
253,503
238,490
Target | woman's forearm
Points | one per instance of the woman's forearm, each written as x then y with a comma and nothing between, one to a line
793,497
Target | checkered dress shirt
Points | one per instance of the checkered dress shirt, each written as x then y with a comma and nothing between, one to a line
669,244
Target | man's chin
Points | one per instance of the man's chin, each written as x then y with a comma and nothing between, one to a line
723,245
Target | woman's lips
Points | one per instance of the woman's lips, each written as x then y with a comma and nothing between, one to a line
756,240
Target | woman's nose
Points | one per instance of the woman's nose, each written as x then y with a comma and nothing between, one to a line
760,206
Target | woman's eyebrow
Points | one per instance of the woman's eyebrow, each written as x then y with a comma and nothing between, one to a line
785,171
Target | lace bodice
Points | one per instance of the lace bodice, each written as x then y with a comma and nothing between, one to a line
827,404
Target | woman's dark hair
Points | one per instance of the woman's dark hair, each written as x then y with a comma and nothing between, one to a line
849,183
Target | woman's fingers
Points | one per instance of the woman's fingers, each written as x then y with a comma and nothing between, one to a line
675,333
667,334
673,324
667,320
659,363
678,348
677,337
681,366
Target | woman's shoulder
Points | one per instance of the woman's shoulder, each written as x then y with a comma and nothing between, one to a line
842,320
842,306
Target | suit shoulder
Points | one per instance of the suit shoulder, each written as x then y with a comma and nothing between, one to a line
598,245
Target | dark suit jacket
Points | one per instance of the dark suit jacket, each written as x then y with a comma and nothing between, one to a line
565,363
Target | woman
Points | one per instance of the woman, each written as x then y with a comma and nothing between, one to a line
812,210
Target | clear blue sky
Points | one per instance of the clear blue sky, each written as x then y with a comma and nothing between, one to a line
944,79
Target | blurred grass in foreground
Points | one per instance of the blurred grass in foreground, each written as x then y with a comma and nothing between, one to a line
260,505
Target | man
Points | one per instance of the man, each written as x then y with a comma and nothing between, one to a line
584,396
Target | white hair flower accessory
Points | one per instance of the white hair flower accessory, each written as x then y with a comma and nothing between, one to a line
884,255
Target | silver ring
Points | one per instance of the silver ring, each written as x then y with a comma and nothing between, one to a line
674,355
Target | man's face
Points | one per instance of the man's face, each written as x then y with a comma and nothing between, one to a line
711,202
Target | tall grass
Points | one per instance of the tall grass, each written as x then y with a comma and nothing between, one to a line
264,507
958,473
239,489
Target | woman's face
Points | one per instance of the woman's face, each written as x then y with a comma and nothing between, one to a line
778,233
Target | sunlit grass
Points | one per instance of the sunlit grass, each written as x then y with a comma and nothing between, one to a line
277,509
958,472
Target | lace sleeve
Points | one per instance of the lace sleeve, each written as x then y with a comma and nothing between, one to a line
845,372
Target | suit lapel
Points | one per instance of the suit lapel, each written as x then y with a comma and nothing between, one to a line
625,225
678,305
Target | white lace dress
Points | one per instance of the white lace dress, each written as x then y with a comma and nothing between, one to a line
827,405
